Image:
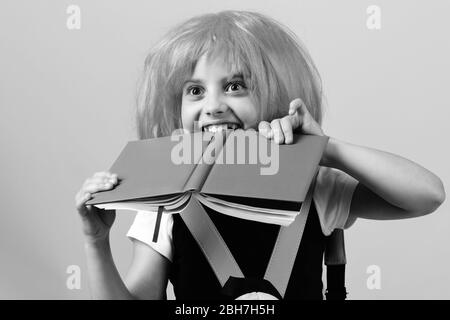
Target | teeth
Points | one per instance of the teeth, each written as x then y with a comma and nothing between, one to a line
220,127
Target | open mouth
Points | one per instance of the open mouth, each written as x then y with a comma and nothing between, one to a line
220,127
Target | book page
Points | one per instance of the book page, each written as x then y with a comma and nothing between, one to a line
239,212
170,208
252,206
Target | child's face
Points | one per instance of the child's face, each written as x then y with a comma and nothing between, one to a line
215,96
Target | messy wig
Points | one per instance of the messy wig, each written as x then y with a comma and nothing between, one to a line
275,65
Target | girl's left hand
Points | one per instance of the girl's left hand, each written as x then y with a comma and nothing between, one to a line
281,130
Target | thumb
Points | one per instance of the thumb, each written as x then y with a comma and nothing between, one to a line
297,112
295,105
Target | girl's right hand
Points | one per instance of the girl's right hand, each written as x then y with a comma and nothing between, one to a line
96,222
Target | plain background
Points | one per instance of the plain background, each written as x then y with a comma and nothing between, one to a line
67,99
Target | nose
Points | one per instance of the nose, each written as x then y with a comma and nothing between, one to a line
215,106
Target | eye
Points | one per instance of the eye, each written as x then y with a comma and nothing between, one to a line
235,86
194,91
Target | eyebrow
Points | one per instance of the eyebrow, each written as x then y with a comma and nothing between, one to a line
236,75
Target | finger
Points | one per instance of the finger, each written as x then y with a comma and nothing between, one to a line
112,178
297,106
98,180
104,175
265,129
302,117
101,174
303,111
287,130
296,114
296,121
80,201
294,105
96,187
101,180
112,175
277,131
78,198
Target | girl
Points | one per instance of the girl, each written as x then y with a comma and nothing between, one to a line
246,70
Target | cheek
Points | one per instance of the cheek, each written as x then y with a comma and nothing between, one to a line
188,116
185,119
249,114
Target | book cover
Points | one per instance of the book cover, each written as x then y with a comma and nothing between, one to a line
239,173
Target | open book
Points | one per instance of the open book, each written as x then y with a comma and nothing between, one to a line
237,173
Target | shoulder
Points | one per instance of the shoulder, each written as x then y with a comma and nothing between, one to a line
145,229
332,197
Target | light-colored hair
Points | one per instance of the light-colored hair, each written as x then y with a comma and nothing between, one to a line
275,65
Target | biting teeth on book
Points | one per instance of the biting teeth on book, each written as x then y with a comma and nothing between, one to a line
220,127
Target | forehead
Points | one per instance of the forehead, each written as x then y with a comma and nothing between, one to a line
214,66
198,56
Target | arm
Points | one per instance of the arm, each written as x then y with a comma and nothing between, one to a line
146,277
148,274
390,187
104,279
